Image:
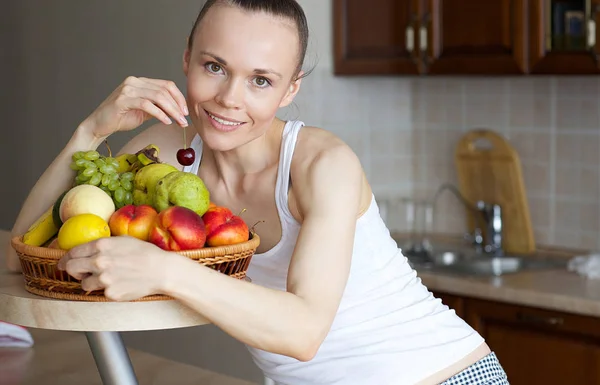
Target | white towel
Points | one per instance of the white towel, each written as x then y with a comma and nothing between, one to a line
14,336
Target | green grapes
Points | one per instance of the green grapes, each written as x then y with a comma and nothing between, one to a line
101,171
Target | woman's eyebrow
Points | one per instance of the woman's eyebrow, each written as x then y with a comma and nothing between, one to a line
220,60
260,71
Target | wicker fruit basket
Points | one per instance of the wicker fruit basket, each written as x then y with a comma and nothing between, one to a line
43,278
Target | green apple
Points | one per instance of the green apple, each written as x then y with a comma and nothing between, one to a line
145,181
181,189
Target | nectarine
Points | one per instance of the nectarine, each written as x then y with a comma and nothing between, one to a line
224,228
178,228
133,220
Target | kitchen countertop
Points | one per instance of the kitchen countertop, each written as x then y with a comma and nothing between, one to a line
557,289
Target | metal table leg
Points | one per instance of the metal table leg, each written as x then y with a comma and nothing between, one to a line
111,358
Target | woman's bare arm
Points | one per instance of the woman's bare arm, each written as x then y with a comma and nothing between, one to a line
57,178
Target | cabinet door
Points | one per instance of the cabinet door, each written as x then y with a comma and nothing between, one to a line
475,36
537,346
375,37
564,37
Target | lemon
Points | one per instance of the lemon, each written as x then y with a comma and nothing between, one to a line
80,229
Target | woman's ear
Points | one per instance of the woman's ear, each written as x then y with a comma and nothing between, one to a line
292,91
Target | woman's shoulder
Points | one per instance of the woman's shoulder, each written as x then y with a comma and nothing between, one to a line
322,160
319,149
316,142
168,138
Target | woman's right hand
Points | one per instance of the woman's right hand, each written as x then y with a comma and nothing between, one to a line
135,101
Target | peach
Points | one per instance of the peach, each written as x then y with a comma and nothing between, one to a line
178,228
133,220
223,227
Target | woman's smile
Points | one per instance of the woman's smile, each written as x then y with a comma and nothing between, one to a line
222,123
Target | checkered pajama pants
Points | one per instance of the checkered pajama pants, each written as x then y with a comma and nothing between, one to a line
486,371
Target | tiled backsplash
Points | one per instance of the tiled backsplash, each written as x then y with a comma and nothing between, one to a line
405,131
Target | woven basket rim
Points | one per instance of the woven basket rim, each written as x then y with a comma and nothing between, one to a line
205,252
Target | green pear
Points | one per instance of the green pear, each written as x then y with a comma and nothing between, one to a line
182,189
145,181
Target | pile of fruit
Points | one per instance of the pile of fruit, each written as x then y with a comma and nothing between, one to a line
139,196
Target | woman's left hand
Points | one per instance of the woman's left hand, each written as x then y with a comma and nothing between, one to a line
125,267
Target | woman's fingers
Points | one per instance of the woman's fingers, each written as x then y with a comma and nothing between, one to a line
173,90
92,283
81,251
151,109
159,97
79,268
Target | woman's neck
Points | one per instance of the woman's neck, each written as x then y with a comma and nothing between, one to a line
260,154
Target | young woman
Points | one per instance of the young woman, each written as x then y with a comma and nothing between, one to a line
332,299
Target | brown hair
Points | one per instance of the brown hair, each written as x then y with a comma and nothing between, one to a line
289,9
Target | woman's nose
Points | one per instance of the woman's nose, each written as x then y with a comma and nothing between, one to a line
231,95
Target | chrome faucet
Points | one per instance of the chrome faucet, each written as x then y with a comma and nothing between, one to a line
488,217
492,216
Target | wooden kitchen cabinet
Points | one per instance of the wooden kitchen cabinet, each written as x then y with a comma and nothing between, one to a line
375,37
554,51
535,346
465,37
475,37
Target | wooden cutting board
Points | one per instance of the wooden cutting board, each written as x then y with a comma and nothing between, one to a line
489,169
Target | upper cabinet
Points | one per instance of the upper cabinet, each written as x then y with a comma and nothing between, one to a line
375,36
468,37
475,36
563,37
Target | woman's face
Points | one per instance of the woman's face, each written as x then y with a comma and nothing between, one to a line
239,73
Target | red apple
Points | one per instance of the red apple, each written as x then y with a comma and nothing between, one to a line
223,227
133,220
178,228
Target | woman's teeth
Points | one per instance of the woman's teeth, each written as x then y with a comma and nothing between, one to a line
225,122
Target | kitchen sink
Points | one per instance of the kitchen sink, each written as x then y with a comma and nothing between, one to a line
469,262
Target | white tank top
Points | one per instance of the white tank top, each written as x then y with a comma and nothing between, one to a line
389,329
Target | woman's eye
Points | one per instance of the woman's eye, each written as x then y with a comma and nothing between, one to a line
261,82
214,67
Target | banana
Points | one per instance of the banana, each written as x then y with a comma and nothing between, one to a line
41,230
148,155
126,161
133,162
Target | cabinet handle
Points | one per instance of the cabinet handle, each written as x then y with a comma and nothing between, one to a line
531,318
410,38
591,37
423,39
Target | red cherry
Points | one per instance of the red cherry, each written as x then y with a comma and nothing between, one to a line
186,156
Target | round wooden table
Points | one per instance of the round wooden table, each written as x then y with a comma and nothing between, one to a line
100,321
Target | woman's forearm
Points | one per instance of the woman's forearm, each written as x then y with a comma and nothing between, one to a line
57,178
271,320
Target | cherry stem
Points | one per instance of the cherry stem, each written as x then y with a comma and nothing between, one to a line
108,147
254,225
184,141
241,212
